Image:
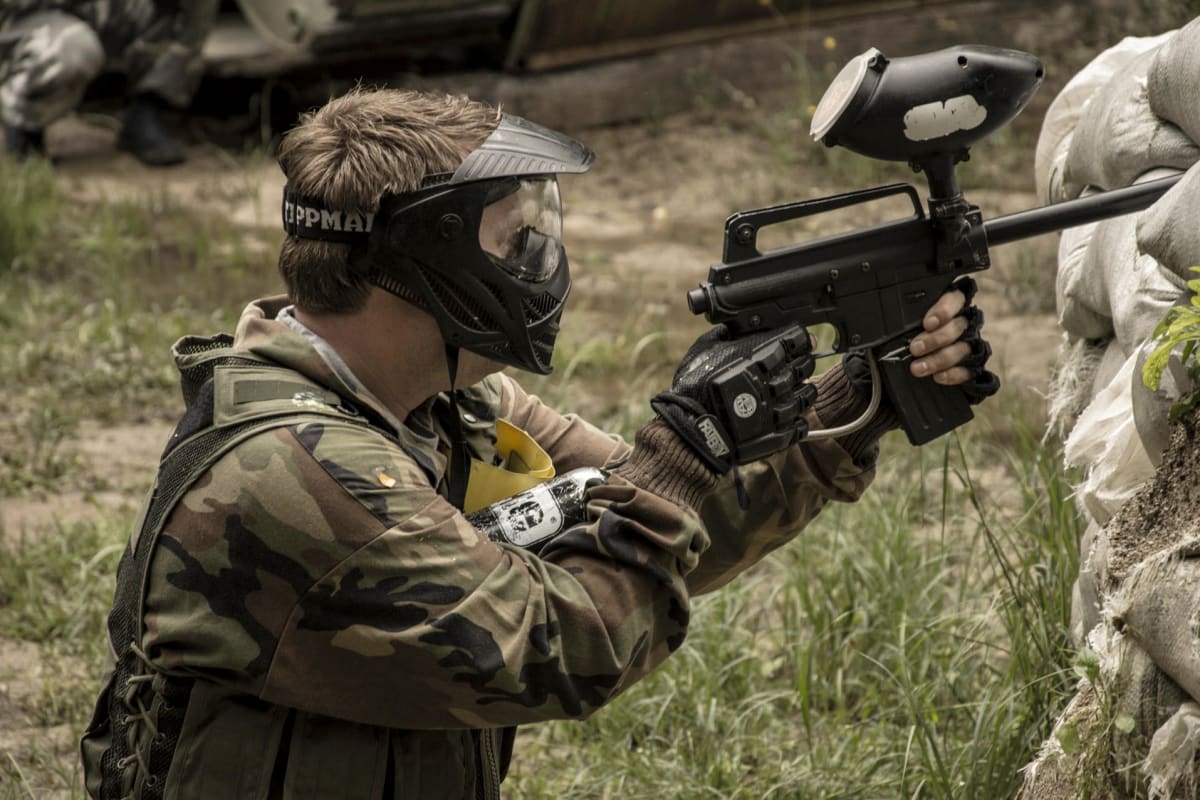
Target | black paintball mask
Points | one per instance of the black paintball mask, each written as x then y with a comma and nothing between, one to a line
480,250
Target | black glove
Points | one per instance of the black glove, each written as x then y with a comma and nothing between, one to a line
983,383
736,400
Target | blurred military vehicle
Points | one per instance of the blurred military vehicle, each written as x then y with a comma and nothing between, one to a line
264,37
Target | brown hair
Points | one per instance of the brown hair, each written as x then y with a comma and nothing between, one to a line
350,152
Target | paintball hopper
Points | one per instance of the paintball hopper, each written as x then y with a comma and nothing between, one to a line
875,284
927,108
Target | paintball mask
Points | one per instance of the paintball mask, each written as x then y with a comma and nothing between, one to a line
480,249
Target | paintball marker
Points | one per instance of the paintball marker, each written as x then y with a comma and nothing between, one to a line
875,284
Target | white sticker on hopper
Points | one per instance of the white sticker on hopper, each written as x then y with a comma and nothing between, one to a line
937,119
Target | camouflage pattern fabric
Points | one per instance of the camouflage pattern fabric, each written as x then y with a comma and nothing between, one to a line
49,59
50,51
350,634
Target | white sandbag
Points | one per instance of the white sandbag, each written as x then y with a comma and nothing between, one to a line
1110,364
1071,382
1156,606
1106,286
1173,80
1085,593
1118,137
1171,762
1141,293
1102,275
1063,114
1139,690
1079,298
1106,443
1152,407
1169,230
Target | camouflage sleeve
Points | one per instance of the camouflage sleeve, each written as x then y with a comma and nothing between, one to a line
316,568
777,498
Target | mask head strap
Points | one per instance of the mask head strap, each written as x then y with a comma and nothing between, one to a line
311,219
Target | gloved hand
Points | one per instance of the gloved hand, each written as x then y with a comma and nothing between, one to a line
982,383
950,350
954,352
736,400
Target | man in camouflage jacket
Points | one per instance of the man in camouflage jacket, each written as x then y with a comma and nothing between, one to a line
303,612
50,50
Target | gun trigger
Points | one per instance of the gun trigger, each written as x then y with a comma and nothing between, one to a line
899,354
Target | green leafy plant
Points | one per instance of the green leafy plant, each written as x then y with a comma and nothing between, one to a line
1179,328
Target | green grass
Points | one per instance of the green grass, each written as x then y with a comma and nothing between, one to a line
89,304
55,590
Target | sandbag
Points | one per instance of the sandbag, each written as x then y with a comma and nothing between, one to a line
1156,606
1171,762
1105,441
1064,112
1169,231
1118,137
1116,281
1085,593
1174,80
1142,292
1107,765
1112,289
1152,407
1111,363
1141,691
1079,298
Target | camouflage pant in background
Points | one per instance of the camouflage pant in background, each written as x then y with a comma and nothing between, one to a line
51,57
48,57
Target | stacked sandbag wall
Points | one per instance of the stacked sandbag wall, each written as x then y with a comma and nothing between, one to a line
1132,115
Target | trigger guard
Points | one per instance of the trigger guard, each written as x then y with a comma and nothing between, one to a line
867,415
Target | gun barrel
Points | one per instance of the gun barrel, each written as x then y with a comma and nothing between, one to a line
1070,213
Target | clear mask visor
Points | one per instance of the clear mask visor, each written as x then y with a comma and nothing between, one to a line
521,226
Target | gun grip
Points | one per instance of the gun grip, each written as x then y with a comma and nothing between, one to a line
926,409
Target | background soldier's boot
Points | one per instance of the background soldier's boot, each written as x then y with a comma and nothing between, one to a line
145,136
21,144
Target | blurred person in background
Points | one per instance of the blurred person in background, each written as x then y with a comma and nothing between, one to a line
311,606
50,50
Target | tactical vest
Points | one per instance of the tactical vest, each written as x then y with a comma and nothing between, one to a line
136,726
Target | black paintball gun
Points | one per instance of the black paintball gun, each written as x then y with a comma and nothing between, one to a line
875,284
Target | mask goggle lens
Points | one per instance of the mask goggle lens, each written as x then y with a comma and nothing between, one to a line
521,227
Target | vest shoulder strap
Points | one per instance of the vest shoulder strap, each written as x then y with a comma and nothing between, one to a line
229,400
